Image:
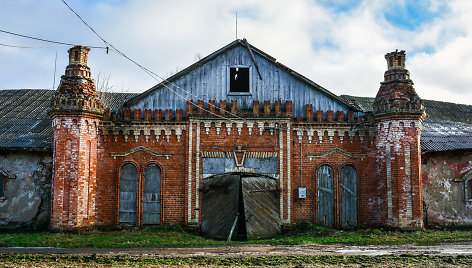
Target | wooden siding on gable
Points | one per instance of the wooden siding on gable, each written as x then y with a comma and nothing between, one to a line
210,81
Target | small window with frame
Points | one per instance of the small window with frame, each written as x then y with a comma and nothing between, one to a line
239,79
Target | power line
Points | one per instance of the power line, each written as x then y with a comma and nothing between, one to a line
7,45
151,73
45,40
106,43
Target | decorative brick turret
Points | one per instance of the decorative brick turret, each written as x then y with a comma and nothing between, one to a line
396,93
76,111
398,112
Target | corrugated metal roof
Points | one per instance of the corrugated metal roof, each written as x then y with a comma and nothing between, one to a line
25,125
447,126
24,122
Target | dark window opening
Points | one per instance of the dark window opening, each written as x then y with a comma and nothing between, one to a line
239,79
468,189
76,55
2,181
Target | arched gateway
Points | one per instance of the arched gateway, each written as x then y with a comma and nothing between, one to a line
241,206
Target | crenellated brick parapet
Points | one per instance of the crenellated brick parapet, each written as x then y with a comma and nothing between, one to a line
67,104
211,110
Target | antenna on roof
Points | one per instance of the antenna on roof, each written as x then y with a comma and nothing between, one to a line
54,80
236,24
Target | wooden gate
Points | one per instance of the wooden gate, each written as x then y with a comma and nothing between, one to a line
261,207
152,195
248,205
325,196
128,189
348,196
220,199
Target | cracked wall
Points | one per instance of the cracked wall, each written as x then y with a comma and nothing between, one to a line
444,178
27,189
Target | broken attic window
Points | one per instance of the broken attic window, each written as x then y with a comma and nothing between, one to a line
239,79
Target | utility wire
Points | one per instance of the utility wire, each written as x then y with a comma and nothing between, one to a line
106,43
151,73
45,40
6,45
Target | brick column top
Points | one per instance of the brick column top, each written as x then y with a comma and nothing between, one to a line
396,93
77,92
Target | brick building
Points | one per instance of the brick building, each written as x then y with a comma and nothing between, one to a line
236,141
240,144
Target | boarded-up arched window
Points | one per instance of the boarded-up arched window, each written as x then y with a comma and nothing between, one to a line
348,196
128,189
152,194
325,196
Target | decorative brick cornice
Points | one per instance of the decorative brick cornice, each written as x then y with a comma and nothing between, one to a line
335,150
140,149
67,104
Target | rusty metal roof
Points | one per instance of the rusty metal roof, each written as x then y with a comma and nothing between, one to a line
24,122
447,126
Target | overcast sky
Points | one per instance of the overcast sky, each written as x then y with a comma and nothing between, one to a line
339,44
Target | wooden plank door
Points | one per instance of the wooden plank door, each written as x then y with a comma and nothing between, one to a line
152,194
325,196
348,196
261,207
220,197
128,189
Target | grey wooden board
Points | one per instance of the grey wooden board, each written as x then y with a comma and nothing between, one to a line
220,196
128,188
261,207
152,195
213,165
210,81
325,196
348,196
263,165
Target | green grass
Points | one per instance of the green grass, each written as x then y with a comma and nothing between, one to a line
175,236
14,260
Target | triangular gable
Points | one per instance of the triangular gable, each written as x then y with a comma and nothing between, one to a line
290,84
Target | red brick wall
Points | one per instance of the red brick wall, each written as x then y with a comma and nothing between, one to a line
135,142
74,171
400,135
172,174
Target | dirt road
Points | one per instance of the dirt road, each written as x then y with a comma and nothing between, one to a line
258,250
